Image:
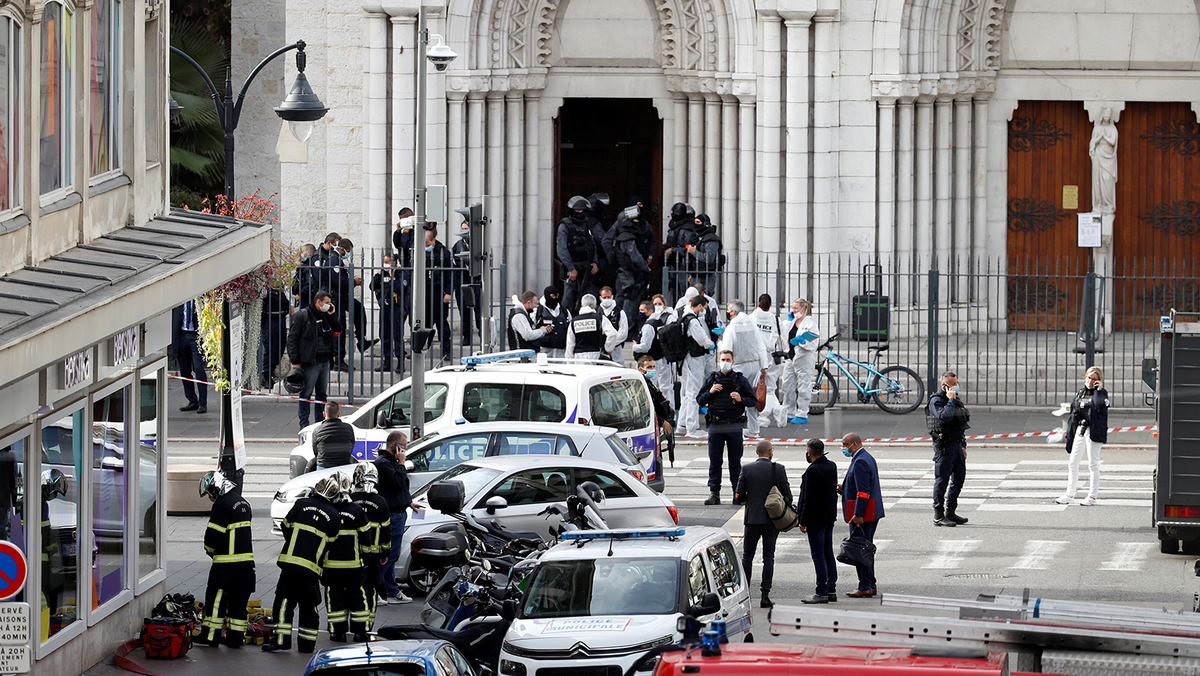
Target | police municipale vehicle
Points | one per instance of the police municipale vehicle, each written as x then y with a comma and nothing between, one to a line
600,600
439,451
500,388
391,658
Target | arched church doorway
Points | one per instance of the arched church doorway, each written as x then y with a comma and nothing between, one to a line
609,146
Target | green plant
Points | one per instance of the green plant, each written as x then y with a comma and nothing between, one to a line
197,140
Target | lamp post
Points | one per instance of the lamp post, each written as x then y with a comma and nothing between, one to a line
300,109
440,55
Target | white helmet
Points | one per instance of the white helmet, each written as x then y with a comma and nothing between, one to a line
366,475
328,488
214,484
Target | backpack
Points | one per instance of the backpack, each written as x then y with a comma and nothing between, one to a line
674,341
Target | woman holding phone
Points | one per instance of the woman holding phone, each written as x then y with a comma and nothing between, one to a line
1087,432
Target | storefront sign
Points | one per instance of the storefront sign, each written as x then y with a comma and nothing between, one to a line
236,359
77,369
14,638
125,346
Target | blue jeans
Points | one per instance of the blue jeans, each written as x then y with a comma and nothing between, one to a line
390,586
820,545
866,576
316,386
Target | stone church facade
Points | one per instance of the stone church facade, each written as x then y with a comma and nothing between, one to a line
911,130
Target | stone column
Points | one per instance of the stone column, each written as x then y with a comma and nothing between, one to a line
475,169
680,179
729,172
904,197
770,110
695,155
538,269
961,220
548,212
497,225
404,111
375,202
825,160
746,227
712,158
456,162
943,117
885,238
923,230
979,182
514,173
796,224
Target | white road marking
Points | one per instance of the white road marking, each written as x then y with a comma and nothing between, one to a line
951,554
1038,554
1129,556
1002,507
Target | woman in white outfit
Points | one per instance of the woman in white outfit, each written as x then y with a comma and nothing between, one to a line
1087,431
800,368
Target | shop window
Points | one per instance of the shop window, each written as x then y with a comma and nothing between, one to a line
106,86
10,113
12,496
57,98
147,531
110,481
62,465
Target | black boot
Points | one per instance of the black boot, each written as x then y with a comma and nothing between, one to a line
766,601
384,367
713,499
960,520
939,519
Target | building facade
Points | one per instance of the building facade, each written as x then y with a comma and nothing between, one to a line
93,264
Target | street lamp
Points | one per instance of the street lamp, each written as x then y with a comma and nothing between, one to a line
300,109
440,55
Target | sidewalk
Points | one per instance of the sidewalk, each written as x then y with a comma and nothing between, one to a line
275,419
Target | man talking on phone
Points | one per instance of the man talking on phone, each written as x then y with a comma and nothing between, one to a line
310,346
947,417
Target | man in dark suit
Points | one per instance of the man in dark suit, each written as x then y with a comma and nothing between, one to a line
185,325
754,483
862,504
817,510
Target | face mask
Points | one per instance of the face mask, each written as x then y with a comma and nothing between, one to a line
607,303
651,373
726,367
953,388
429,248
847,452
658,309
728,317
551,302
641,316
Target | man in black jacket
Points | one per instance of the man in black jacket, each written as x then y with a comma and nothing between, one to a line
310,346
727,394
755,483
948,417
817,510
393,486
662,407
388,285
333,440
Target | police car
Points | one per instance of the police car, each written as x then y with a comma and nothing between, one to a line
392,658
501,388
599,601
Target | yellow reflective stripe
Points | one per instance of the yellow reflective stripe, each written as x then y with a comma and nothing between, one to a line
217,527
302,562
232,558
343,564
239,524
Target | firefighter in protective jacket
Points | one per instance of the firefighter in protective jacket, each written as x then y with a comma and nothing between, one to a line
377,541
308,529
345,597
227,540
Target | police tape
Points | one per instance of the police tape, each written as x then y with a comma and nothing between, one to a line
973,437
261,393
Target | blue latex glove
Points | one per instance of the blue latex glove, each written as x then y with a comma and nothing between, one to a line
713,348
718,331
796,340
791,317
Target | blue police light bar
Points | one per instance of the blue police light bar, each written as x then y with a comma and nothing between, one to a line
499,356
584,535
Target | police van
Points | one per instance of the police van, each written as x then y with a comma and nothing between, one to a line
599,601
502,387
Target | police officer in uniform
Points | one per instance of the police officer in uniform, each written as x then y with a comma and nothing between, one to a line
576,248
231,578
523,332
681,232
590,333
389,290
551,313
728,395
308,529
633,269
346,602
377,541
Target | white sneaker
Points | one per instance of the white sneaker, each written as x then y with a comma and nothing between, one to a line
1064,500
381,601
398,598
1089,501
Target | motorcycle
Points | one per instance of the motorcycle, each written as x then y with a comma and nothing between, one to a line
462,593
480,638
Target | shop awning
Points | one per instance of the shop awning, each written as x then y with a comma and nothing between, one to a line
94,290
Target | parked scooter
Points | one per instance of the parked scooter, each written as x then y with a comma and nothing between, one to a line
479,639
462,593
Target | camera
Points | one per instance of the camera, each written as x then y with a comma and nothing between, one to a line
440,55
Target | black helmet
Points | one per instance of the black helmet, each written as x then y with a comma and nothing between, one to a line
294,380
681,210
578,202
593,491
54,484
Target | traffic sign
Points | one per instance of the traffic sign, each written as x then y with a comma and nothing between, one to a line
12,570
14,638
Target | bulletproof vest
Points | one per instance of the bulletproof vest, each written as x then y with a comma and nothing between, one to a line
722,408
557,338
310,526
687,235
227,539
580,243
625,233
589,334
515,338
655,351
345,553
614,317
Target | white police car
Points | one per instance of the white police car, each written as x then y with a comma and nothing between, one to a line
500,388
600,600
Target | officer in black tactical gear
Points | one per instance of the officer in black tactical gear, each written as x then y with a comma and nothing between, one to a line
308,529
681,232
626,241
728,395
227,540
551,313
598,224
705,256
576,248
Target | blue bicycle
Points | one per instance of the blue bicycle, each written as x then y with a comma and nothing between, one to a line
895,389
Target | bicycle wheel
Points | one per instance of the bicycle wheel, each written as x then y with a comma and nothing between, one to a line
902,389
824,393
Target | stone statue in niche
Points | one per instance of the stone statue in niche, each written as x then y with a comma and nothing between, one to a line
1103,149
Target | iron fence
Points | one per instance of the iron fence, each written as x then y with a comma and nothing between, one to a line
1017,332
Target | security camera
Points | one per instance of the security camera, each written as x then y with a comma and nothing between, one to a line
440,55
